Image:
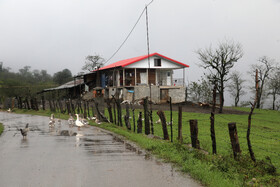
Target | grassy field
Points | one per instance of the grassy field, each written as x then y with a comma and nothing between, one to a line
220,169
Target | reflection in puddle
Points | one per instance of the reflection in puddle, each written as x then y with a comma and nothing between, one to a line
78,139
24,143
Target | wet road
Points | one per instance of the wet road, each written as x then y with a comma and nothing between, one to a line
92,157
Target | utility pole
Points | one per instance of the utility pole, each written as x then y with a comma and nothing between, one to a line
149,70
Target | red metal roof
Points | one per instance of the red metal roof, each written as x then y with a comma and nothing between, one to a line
129,61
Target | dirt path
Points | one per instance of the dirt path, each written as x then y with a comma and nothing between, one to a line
90,158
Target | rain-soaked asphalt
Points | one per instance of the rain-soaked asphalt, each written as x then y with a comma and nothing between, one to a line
90,158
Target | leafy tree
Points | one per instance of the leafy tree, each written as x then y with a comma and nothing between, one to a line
93,62
195,91
219,62
236,86
41,76
264,67
201,91
23,83
63,76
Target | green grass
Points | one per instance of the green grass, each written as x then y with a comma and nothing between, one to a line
220,169
1,128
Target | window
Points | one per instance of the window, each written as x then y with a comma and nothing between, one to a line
157,62
168,74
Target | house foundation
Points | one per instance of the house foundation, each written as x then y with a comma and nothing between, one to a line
159,94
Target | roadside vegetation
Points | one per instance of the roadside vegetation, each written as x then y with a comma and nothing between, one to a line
213,170
1,128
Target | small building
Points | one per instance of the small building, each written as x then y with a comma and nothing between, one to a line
139,77
72,89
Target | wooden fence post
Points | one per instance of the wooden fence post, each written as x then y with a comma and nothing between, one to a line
20,102
126,117
163,123
92,110
146,116
27,103
36,104
72,107
133,113
139,123
151,120
78,106
115,116
100,115
85,110
234,139
43,102
60,106
68,107
119,110
171,121
180,137
212,121
88,109
32,103
194,134
109,107
213,136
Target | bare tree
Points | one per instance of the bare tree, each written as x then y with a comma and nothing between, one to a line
93,62
219,62
236,86
274,86
265,66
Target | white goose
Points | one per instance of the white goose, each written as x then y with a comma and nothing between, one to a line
70,120
52,121
97,121
158,121
84,121
78,123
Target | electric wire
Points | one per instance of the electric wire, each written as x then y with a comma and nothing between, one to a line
128,33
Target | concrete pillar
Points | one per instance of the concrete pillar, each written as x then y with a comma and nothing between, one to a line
147,75
183,76
135,76
123,77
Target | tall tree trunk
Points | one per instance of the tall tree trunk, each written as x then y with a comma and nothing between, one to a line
273,102
259,97
221,101
236,99
221,95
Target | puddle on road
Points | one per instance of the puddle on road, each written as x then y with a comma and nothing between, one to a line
85,157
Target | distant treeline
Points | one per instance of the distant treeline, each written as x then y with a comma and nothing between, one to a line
27,82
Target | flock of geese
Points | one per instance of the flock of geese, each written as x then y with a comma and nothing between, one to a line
79,122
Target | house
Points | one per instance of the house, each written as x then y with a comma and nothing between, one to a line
138,77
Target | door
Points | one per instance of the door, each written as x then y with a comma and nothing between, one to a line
164,96
143,78
168,78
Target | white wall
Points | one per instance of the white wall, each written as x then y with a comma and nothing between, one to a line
164,64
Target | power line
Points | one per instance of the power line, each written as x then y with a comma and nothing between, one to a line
128,33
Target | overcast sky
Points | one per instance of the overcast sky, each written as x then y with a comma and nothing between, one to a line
58,34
